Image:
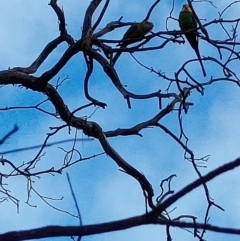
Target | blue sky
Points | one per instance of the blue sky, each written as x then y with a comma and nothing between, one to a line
103,192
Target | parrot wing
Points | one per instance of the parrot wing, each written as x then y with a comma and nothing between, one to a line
180,20
188,22
130,32
129,36
194,22
134,34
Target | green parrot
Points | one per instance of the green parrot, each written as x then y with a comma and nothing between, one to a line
135,33
188,22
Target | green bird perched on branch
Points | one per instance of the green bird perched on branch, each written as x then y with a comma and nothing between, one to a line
188,22
135,33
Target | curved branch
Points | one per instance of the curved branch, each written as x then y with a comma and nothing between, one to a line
45,53
151,122
87,23
71,51
146,186
10,133
101,14
60,15
89,63
151,9
211,175
112,74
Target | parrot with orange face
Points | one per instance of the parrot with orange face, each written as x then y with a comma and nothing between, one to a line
188,22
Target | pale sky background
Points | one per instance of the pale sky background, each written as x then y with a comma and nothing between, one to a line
103,192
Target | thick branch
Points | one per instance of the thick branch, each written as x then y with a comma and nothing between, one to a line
87,23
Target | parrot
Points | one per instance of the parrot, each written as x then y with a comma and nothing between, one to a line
188,22
135,33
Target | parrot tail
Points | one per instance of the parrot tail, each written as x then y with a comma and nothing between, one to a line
192,39
200,61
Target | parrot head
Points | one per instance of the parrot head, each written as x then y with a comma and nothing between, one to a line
186,8
149,25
